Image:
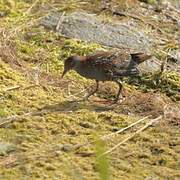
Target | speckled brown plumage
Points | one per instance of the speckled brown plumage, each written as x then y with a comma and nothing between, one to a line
106,66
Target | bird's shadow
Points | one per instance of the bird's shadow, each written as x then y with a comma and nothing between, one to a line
72,106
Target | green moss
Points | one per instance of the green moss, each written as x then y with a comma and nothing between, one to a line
72,47
3,112
168,82
43,139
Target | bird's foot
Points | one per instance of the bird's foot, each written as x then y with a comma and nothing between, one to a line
86,97
116,101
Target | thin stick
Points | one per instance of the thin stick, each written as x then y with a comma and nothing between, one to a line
30,8
24,25
173,9
74,95
16,117
123,129
18,87
30,86
8,120
112,134
134,134
11,88
166,53
136,17
59,22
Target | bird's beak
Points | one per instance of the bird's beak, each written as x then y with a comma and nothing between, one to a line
64,72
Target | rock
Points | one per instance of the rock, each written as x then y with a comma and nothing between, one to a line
153,65
89,27
150,66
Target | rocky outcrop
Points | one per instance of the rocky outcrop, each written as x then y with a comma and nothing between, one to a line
91,28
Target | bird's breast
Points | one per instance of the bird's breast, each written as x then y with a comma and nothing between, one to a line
92,72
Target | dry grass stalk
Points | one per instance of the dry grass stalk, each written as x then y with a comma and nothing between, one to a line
131,136
113,134
4,121
142,19
60,21
8,52
11,88
123,129
31,7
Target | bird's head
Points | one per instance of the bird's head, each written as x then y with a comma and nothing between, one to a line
71,63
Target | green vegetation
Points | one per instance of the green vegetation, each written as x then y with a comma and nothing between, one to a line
167,82
38,143
102,162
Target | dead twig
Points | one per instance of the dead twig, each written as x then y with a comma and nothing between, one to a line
11,88
105,137
30,8
17,117
123,129
131,136
170,7
19,87
167,14
30,86
60,21
73,95
163,66
11,119
137,18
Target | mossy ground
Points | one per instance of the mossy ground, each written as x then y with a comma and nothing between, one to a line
48,124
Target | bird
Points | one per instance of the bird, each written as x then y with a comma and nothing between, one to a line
106,66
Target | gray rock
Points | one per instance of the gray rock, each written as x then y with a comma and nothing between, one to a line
89,27
150,66
153,65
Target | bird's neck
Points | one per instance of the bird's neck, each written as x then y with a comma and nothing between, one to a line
80,60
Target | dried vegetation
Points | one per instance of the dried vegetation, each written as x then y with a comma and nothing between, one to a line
45,136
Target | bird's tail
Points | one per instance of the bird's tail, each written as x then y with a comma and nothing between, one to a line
140,57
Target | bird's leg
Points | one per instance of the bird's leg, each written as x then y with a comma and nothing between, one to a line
95,90
119,91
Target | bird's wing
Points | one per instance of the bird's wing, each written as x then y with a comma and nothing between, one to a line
118,57
110,61
117,64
